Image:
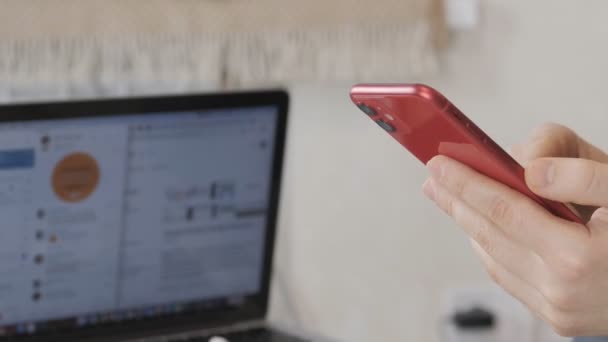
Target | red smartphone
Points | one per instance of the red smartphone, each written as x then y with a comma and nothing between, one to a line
427,124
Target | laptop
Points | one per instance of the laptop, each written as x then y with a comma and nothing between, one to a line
140,219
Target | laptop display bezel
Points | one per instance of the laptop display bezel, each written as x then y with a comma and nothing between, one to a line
256,306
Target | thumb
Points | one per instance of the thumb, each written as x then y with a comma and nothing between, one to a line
569,180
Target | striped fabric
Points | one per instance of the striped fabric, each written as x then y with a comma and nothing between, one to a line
65,47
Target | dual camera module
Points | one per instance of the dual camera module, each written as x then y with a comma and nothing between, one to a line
372,113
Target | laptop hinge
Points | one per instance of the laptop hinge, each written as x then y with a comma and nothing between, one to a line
219,331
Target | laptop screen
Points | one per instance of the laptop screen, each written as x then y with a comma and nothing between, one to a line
132,216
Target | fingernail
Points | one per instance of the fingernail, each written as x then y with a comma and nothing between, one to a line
540,173
434,168
429,190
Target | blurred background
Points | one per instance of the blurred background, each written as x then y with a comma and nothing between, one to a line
361,254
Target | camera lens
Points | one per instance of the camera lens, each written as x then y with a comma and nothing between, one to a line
386,126
367,110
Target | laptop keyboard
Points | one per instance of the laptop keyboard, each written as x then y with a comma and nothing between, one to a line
251,335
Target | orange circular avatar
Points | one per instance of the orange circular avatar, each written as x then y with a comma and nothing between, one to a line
75,177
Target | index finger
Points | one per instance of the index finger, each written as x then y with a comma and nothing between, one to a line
518,217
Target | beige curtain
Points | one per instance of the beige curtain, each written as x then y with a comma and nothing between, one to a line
81,47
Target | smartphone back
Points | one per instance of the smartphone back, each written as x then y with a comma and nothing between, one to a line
427,124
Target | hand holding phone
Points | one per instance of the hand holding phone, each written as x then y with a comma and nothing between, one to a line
554,265
428,125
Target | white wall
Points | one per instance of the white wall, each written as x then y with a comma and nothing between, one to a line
362,253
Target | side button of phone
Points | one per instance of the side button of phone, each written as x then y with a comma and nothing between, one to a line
454,112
